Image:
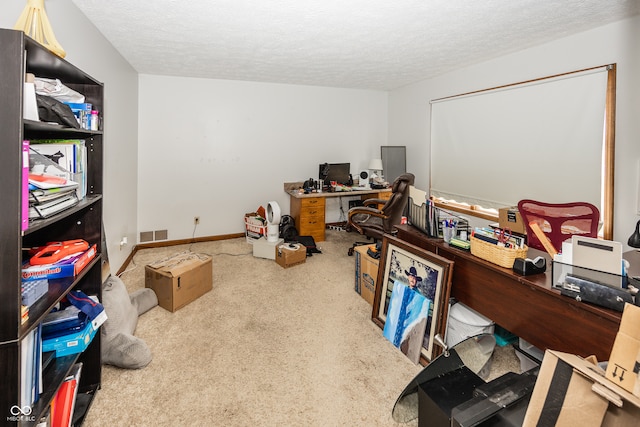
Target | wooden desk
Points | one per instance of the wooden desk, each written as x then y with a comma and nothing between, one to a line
308,210
526,306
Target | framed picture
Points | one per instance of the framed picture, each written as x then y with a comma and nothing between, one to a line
409,268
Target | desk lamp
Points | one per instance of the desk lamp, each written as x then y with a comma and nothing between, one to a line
634,239
375,166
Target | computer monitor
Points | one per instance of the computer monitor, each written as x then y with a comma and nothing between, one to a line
338,172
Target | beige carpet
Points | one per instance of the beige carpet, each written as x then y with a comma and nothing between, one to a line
267,346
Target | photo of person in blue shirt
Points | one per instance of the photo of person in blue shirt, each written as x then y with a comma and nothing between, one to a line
407,316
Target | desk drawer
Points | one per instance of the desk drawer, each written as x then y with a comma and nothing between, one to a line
311,226
311,203
315,228
312,213
309,216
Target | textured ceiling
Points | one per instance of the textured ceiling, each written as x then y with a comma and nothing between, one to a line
370,44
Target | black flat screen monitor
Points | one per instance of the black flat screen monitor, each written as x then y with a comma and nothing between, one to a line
338,172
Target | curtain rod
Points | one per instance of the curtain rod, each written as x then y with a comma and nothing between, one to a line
590,70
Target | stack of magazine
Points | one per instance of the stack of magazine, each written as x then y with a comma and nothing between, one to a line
51,187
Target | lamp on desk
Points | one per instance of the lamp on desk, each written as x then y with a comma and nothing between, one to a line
634,239
375,166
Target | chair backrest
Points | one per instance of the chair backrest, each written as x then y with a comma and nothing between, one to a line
396,204
559,221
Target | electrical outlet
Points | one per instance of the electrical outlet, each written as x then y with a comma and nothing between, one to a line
196,220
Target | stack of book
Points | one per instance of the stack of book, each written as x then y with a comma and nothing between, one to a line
32,291
69,155
51,186
31,367
45,202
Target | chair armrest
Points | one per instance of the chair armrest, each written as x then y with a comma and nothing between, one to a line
366,211
374,202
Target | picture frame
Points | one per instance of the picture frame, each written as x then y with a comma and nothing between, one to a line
398,260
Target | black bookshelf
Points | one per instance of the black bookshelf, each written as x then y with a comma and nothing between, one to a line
20,54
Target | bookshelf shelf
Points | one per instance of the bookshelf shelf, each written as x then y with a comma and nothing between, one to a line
19,54
42,130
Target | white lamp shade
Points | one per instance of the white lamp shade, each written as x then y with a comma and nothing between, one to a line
375,164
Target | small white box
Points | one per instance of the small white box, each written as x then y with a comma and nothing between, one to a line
29,104
262,248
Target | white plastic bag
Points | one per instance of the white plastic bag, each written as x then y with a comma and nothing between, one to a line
55,89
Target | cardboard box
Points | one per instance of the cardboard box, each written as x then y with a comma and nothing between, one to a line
288,256
624,362
572,391
262,248
510,218
366,273
255,226
180,279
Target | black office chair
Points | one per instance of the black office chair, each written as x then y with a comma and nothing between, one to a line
372,221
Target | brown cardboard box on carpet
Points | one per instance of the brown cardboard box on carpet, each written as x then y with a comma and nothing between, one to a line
366,273
288,255
572,391
180,279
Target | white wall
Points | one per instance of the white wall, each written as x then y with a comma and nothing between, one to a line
218,149
615,43
87,49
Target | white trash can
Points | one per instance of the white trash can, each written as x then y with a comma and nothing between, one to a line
464,322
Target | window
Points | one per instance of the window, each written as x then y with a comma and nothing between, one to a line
549,139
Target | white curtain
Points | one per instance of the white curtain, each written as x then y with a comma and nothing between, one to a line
541,140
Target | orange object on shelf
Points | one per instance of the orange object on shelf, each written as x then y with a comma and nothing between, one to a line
544,240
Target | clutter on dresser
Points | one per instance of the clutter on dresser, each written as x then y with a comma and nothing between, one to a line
594,271
434,221
498,246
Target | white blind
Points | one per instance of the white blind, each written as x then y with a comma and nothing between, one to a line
540,140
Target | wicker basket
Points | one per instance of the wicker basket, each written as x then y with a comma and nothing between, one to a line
499,255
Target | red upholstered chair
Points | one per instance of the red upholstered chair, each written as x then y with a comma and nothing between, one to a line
559,221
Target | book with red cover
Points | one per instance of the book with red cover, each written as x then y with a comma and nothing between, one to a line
64,400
